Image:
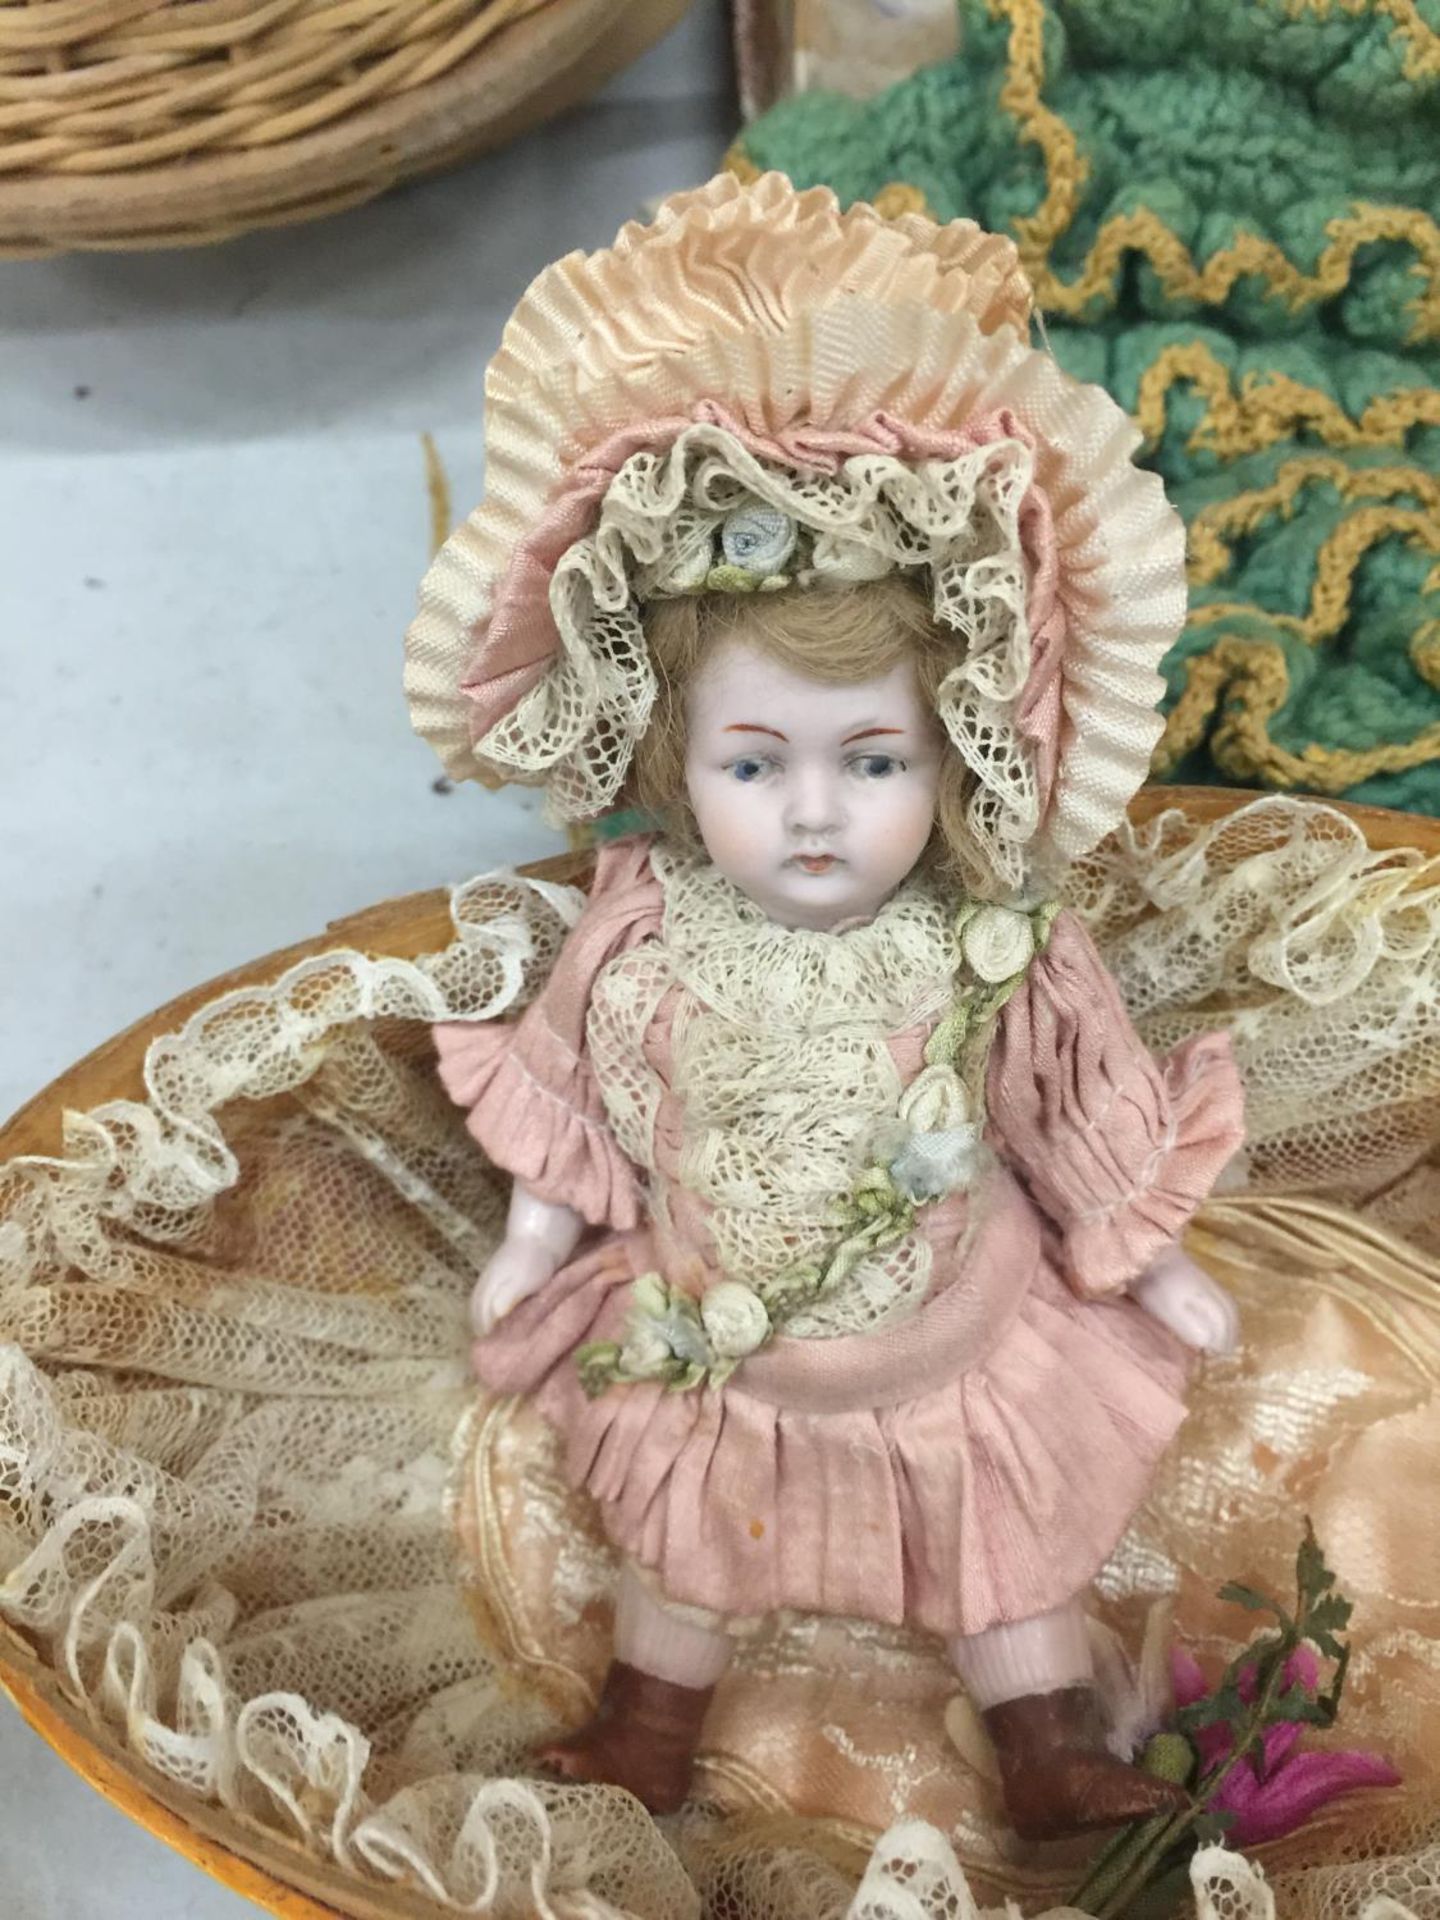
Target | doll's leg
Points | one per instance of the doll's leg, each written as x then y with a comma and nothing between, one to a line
1033,1682
666,1641
647,1724
1038,1655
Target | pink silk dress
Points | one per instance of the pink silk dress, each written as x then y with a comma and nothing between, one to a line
964,1438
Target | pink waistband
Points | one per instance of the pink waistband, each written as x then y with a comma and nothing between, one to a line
950,1333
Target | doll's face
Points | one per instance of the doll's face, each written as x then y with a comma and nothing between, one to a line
814,800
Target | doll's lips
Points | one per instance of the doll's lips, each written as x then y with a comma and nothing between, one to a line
814,862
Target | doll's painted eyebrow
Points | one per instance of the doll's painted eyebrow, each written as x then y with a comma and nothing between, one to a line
868,733
750,726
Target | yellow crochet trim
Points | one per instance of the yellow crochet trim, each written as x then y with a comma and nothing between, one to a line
891,202
1247,681
1066,170
738,162
1262,411
1251,679
1214,611
1340,555
1422,43
1213,527
898,199
1425,647
1335,565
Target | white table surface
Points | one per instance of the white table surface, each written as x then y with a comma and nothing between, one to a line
213,519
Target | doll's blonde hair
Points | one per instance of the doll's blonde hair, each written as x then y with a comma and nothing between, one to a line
842,635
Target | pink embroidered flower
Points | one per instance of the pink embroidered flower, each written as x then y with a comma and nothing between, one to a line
1282,1791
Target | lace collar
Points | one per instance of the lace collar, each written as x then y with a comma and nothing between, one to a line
892,970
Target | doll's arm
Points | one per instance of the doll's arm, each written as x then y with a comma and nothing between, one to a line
532,1098
1117,1148
539,1235
1178,1292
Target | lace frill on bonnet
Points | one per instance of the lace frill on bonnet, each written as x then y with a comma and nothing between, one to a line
822,343
657,535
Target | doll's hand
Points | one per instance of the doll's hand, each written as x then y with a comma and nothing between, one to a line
539,1237
1183,1297
517,1268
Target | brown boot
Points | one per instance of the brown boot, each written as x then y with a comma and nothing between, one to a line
1056,1773
643,1737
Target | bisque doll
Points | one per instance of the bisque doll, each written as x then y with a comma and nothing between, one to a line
843,1246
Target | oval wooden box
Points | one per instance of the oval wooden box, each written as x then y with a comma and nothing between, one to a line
254,1862
121,141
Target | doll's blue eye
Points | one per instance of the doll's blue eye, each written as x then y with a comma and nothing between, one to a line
877,766
748,769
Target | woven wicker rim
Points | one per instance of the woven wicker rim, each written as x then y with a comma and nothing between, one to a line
251,1860
144,135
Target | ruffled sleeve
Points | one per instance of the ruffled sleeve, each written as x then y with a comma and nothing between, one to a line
534,1102
1117,1148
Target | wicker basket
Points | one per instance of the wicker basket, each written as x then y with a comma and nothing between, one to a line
147,123
287,1879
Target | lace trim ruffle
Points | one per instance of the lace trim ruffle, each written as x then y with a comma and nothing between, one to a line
959,518
887,972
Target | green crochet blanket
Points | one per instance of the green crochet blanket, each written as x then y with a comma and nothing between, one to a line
1227,211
